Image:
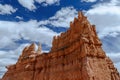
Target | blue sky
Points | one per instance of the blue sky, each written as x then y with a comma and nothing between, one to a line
25,21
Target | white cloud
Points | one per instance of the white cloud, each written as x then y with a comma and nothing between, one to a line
115,2
48,2
88,0
104,9
29,4
6,9
115,57
118,66
34,30
28,30
106,17
18,17
111,44
62,17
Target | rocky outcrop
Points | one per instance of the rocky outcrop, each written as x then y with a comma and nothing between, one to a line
75,55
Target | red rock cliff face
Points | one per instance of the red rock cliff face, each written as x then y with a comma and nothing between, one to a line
75,55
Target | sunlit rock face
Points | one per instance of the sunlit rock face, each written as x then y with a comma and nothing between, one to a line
75,55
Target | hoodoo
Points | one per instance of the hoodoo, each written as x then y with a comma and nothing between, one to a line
75,55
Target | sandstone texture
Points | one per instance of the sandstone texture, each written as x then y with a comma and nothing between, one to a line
75,55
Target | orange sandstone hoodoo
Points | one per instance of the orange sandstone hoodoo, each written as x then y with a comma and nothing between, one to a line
75,55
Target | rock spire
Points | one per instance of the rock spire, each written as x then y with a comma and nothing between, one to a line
75,55
39,51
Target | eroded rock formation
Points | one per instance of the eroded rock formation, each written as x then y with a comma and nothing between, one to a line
75,55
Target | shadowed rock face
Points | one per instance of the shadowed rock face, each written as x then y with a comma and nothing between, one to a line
75,55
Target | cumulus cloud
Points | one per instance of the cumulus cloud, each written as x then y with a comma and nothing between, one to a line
6,9
88,0
29,4
28,30
62,17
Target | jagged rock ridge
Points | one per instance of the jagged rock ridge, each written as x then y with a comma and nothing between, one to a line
75,55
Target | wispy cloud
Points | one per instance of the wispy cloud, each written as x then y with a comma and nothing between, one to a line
88,0
62,17
18,17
